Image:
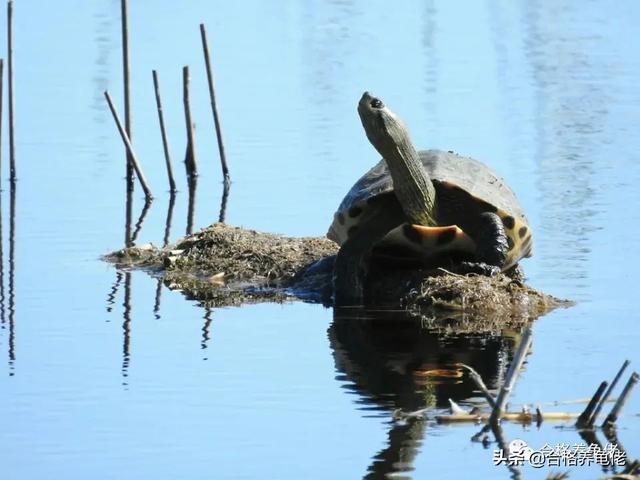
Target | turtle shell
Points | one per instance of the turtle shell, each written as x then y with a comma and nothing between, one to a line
464,188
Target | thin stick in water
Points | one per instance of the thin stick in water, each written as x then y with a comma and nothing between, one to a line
127,89
512,375
190,160
12,145
583,419
617,407
191,208
477,379
165,142
129,147
214,108
607,394
223,202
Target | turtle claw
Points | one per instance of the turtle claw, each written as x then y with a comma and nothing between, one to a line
479,268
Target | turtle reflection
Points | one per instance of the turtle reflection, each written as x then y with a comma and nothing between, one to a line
391,361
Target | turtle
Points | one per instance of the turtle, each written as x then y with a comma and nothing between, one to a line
430,205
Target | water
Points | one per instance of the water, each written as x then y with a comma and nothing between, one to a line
101,380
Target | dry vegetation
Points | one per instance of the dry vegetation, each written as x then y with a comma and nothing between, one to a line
224,265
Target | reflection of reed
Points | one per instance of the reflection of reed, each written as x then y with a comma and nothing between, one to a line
129,236
2,306
143,215
206,334
12,276
572,109
193,187
111,297
165,242
126,326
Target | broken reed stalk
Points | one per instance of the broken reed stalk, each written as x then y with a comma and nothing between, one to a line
127,143
163,132
512,375
127,90
214,108
607,394
611,419
12,145
128,221
477,379
191,207
585,416
223,202
190,161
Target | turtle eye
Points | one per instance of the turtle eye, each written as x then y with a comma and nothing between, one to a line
376,103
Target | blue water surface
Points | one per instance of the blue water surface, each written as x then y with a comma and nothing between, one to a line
104,379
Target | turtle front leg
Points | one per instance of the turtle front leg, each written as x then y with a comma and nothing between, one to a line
352,263
491,246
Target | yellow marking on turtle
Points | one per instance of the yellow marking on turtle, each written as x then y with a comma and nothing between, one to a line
519,237
444,238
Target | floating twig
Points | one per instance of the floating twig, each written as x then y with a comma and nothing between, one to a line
596,412
585,416
127,88
519,417
617,407
512,375
163,132
214,107
12,144
190,160
127,143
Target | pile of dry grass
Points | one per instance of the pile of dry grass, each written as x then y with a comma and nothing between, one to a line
225,265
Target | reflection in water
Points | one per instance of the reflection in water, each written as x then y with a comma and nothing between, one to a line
103,40
104,43
126,327
165,242
429,28
571,110
129,236
12,278
111,297
328,48
2,305
143,214
206,328
390,361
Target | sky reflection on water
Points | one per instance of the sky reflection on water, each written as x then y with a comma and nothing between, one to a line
109,372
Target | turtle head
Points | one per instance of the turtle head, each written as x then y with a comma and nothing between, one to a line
390,137
381,125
